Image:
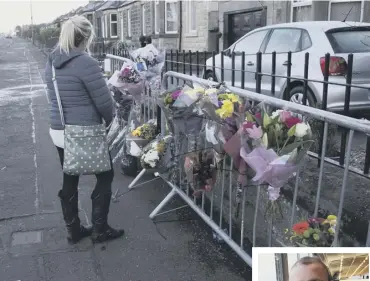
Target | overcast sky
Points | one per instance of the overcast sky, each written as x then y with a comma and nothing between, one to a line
18,12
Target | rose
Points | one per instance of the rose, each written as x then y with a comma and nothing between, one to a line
284,115
301,129
291,121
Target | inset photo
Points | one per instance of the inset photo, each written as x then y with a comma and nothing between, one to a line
311,266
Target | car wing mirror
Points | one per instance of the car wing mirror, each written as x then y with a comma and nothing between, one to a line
227,53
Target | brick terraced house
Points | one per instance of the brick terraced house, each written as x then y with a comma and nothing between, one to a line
206,25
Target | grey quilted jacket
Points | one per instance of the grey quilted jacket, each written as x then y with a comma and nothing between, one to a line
85,97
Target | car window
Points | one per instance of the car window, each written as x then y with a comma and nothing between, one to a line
352,41
284,40
306,40
251,44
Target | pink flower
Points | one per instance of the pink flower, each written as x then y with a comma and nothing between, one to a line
255,132
290,122
176,94
125,71
284,115
248,125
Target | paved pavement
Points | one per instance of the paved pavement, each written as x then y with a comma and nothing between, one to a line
32,235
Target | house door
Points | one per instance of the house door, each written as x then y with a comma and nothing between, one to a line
242,23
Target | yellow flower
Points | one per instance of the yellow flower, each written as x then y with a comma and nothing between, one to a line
199,90
195,92
226,110
210,91
332,217
233,98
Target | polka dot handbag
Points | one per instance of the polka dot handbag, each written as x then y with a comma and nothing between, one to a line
86,149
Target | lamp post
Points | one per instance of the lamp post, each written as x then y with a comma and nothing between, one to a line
33,41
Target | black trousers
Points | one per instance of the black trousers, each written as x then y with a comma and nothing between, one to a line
70,183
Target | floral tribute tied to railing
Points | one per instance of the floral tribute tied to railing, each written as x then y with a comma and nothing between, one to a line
204,124
313,232
129,132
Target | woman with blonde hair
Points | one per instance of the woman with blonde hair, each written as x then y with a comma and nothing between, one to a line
79,97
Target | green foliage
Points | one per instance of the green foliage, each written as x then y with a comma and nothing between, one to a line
48,33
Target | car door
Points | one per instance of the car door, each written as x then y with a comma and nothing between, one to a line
250,44
281,41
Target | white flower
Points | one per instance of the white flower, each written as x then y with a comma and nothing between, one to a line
151,158
301,129
276,113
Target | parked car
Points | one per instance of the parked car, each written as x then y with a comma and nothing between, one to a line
317,38
9,37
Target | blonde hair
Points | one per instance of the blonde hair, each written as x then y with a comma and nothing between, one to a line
77,32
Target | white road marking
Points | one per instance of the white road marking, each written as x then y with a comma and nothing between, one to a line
47,97
37,203
24,87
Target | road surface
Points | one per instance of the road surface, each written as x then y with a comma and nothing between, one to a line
32,234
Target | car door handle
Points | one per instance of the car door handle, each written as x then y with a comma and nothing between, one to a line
286,63
250,63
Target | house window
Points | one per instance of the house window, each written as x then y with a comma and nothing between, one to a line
143,17
106,26
171,16
192,16
90,17
103,26
99,27
156,17
129,22
122,27
113,26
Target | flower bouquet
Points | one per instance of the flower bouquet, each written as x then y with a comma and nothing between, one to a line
128,79
314,232
201,172
222,109
157,153
273,146
149,61
140,137
179,108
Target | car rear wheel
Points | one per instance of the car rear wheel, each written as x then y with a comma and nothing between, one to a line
296,95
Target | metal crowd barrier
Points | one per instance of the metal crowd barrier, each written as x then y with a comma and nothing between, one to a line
212,211
217,224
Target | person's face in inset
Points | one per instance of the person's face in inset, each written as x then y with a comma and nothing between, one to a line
311,272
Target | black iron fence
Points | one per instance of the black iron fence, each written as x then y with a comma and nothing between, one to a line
204,64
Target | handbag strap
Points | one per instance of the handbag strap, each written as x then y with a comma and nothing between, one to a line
56,89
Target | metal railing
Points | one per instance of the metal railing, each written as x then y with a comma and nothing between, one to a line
203,64
217,207
226,184
149,107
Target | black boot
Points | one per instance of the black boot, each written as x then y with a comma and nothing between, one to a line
70,214
100,208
